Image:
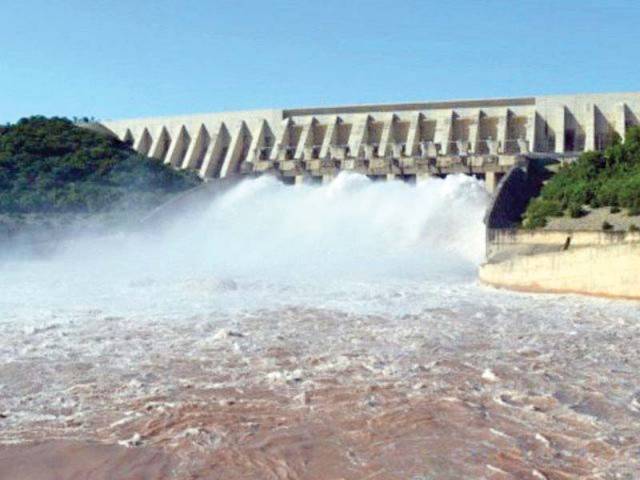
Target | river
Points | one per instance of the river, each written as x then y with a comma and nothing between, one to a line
310,332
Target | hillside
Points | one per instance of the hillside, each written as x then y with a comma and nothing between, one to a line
53,166
597,179
53,173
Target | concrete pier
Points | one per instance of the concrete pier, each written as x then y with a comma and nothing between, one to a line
423,177
409,140
490,181
327,178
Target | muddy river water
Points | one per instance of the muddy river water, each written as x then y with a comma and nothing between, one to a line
312,332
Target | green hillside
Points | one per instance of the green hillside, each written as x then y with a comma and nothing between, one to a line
598,179
51,166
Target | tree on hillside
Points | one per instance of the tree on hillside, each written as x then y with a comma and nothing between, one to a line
599,179
52,165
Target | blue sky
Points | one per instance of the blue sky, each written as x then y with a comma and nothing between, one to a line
124,58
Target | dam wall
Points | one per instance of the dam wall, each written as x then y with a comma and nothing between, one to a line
511,196
484,138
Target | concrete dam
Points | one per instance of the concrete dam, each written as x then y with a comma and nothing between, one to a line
484,138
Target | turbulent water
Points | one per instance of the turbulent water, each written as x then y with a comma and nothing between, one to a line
333,331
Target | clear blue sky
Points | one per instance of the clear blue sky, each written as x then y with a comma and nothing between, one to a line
130,58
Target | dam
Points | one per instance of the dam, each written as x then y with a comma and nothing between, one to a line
483,138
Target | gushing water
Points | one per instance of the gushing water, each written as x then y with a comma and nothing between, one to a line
263,237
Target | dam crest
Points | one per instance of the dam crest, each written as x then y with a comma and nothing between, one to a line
484,138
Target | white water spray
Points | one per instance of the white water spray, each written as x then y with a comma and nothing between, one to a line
265,233
352,227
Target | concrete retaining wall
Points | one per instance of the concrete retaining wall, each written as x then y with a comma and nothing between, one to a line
504,243
610,270
559,237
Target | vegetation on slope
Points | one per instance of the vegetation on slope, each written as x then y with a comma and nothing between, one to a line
599,179
49,165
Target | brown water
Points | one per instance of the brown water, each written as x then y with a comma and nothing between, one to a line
541,388
407,369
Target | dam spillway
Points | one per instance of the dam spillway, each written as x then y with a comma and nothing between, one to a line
410,140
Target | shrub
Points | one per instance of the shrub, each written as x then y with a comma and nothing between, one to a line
634,228
606,226
576,210
629,192
538,211
599,179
